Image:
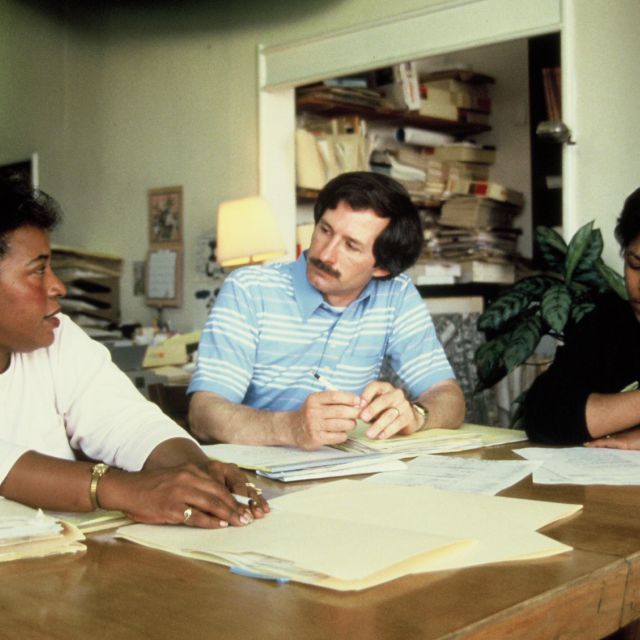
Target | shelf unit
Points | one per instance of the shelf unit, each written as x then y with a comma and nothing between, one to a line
334,108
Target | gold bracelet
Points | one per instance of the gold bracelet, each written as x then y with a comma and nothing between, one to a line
97,471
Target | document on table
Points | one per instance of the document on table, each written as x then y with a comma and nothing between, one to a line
291,464
459,474
467,436
30,533
348,535
583,465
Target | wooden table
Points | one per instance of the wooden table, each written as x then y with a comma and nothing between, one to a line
120,590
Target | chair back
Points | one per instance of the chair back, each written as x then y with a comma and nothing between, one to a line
173,400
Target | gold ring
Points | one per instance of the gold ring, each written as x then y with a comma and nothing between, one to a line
397,411
258,491
249,485
187,513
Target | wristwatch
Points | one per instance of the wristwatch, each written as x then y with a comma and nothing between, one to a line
422,411
97,471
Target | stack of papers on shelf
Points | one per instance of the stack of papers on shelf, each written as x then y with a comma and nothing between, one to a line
468,436
349,535
29,533
289,464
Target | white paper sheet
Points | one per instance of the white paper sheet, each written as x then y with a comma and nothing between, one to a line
583,465
459,474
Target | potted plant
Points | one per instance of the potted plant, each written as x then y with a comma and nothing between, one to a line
551,302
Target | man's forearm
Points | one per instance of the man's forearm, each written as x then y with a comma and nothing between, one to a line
446,405
213,418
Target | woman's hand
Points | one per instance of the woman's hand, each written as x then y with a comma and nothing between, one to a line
193,494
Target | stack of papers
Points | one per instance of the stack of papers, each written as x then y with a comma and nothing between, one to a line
348,535
29,533
289,464
91,521
359,454
468,436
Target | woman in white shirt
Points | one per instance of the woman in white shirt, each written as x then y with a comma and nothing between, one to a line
60,392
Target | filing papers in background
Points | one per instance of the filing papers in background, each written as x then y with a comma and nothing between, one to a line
459,474
468,436
349,535
584,465
29,533
289,463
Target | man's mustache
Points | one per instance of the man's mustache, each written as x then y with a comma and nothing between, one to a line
318,264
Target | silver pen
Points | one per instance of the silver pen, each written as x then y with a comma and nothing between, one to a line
323,381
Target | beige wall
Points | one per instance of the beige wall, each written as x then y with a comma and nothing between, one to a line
149,97
119,102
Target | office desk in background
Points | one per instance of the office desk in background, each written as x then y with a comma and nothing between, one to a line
121,590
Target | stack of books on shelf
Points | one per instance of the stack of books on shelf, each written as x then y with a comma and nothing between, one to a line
460,96
341,94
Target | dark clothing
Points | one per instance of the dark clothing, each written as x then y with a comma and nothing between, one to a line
602,355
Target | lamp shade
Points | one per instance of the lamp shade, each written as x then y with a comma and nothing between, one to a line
247,233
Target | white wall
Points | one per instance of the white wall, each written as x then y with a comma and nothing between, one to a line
607,104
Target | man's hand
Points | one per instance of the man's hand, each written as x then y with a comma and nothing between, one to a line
388,411
629,439
194,494
325,418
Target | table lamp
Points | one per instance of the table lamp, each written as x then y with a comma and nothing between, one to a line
247,233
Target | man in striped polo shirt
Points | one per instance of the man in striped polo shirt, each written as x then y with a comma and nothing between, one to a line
292,353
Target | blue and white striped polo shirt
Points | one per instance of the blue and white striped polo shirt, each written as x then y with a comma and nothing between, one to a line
270,329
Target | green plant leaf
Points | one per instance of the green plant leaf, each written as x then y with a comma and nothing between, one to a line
556,306
579,311
489,365
533,286
502,310
591,279
612,278
592,251
523,342
577,247
552,247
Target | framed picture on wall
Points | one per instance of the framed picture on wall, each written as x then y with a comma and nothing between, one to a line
165,215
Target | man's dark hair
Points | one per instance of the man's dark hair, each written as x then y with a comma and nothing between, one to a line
628,224
22,206
400,243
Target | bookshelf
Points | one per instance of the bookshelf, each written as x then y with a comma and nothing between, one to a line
318,103
546,157
335,108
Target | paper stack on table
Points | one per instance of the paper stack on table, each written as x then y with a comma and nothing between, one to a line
468,436
289,463
348,535
29,533
359,454
90,521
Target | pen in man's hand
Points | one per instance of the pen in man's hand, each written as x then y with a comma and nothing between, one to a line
323,381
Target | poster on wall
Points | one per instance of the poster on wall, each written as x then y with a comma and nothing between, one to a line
165,216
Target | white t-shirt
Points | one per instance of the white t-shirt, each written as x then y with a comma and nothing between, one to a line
71,396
